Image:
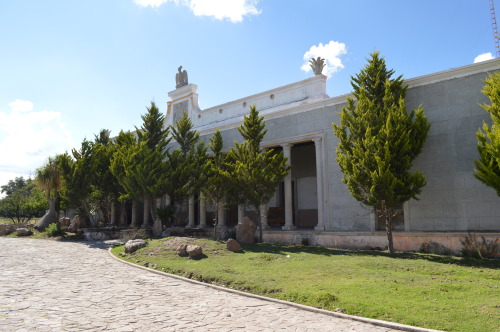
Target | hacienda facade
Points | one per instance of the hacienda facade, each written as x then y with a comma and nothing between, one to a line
313,203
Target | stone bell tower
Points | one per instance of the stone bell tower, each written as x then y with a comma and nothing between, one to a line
184,99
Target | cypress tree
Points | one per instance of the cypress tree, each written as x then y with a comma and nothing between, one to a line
215,188
253,173
488,166
140,165
186,165
152,130
379,140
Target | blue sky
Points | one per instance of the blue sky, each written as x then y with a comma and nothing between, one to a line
71,68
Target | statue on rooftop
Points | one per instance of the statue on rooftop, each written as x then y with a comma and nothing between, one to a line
181,78
317,65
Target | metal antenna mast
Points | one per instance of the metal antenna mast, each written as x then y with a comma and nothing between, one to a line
494,26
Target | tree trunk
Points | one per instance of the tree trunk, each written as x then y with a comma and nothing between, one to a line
259,223
145,217
216,221
92,221
113,213
134,213
388,215
49,217
152,206
123,214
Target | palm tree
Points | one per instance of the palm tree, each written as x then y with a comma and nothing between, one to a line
49,180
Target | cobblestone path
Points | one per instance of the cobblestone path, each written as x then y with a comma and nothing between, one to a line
62,286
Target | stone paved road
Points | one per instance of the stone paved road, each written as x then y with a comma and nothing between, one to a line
60,286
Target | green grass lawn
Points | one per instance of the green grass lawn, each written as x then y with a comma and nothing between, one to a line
8,221
439,292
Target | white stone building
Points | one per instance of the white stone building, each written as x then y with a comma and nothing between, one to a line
314,203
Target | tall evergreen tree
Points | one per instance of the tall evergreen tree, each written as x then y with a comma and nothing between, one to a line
80,180
122,163
153,130
152,138
488,166
379,140
252,172
186,165
215,187
140,170
105,188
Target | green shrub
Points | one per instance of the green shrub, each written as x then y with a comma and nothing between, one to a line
479,249
166,213
54,230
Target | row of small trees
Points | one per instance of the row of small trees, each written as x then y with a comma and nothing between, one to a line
156,161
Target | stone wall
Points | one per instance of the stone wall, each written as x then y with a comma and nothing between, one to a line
403,241
452,200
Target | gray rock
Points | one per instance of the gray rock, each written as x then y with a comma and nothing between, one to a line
65,222
233,245
222,233
157,227
181,250
194,251
23,232
434,248
245,232
134,245
77,223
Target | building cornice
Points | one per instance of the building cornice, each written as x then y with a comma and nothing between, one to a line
320,102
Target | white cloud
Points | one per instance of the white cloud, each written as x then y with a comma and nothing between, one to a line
150,3
331,52
28,138
483,57
21,106
232,10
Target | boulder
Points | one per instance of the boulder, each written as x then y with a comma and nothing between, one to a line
181,250
194,251
65,222
157,228
434,248
245,231
23,232
134,245
233,245
77,223
7,229
222,233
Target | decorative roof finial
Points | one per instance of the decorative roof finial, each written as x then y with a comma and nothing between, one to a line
181,78
317,65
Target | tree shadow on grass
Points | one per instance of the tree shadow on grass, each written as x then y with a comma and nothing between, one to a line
277,249
198,258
